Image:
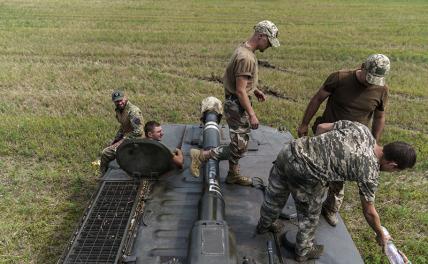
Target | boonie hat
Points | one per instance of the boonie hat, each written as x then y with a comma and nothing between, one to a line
271,31
117,96
377,67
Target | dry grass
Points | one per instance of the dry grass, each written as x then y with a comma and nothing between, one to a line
59,61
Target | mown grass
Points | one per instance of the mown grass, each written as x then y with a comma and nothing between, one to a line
59,61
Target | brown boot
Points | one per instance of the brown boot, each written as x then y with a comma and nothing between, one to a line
315,253
198,157
234,177
275,227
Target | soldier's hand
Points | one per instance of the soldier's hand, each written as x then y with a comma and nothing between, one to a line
302,130
178,158
261,97
178,152
254,122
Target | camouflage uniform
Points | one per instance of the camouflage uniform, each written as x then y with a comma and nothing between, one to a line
131,126
306,166
239,130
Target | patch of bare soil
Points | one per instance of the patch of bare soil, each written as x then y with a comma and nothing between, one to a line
267,64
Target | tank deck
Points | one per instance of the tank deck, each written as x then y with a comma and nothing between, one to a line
171,209
173,206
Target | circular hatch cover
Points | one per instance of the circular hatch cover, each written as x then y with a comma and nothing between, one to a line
144,158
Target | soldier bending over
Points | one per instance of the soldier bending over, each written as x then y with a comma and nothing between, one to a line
342,151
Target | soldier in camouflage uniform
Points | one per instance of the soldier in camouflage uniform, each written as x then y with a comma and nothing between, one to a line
240,80
342,151
355,95
131,126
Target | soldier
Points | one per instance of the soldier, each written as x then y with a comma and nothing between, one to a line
342,151
355,95
130,119
240,80
154,131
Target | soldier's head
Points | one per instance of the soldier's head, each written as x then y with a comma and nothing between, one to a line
153,130
397,156
119,99
376,68
265,35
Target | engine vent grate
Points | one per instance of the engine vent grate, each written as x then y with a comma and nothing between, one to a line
100,237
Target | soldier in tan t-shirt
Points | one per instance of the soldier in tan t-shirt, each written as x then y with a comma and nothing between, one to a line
357,95
240,81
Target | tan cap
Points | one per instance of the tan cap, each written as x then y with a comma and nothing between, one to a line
271,31
377,67
211,104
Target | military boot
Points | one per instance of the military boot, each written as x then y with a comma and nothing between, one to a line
234,177
198,157
330,216
315,253
275,227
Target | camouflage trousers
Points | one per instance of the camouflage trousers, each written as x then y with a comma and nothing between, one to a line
239,130
288,176
335,195
336,190
108,154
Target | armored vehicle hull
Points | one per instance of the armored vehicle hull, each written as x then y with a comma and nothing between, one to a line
151,220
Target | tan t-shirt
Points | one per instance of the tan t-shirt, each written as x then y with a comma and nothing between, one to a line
242,63
350,99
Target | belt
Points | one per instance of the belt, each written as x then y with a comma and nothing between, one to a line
232,97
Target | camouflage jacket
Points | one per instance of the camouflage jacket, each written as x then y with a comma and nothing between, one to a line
131,122
346,153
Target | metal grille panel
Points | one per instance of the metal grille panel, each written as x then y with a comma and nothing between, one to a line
100,237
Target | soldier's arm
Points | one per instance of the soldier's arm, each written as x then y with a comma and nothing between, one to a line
244,101
324,127
378,124
119,136
373,219
136,119
311,109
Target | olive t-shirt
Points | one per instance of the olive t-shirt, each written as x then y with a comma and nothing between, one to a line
350,99
242,63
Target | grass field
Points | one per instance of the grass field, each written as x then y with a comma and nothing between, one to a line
60,60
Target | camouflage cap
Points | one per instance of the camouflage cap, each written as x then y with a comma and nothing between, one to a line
271,31
117,96
211,104
377,67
